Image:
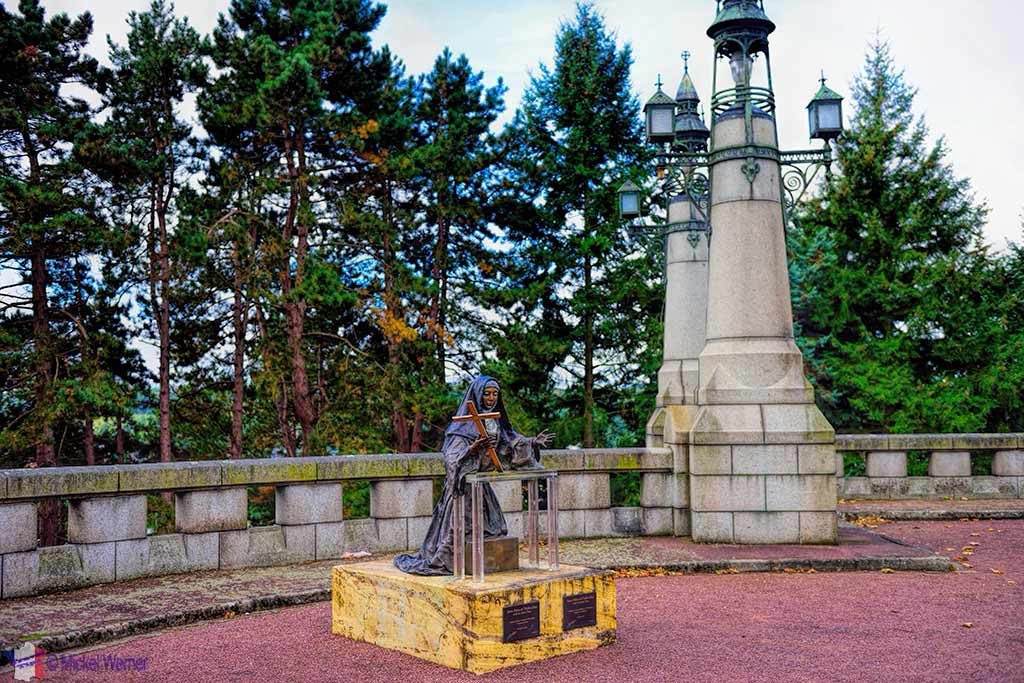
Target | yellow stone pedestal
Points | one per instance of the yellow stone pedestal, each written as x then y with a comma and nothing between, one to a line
461,624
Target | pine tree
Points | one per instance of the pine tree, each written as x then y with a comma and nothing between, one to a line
455,157
45,208
293,79
145,149
891,276
582,121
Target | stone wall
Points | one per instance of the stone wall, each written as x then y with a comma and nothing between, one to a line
949,468
108,539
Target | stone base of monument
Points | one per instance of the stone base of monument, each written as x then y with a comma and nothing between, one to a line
512,618
763,474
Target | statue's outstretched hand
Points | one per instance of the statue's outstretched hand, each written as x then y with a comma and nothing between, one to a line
544,439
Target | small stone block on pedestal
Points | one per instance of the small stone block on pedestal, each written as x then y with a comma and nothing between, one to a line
500,554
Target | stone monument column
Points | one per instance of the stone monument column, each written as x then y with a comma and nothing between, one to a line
686,287
762,456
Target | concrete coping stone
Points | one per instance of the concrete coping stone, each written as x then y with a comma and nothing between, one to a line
268,470
862,442
926,442
165,476
32,483
46,482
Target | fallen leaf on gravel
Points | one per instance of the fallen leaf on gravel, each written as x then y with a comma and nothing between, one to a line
967,564
997,571
990,529
950,550
1011,582
731,570
967,624
630,572
870,521
964,519
973,543
888,570
965,499
975,533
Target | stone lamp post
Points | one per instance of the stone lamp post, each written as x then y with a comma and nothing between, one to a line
755,458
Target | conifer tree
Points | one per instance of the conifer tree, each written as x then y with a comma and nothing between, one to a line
891,275
582,121
146,150
293,78
45,206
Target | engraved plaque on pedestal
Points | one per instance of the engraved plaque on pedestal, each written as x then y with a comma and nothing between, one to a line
520,622
579,610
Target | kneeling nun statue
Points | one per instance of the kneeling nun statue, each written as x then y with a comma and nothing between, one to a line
467,451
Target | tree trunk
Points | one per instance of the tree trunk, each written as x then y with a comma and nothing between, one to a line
440,298
295,311
45,455
239,320
119,439
588,356
89,442
164,331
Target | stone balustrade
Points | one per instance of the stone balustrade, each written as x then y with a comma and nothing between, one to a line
949,466
108,539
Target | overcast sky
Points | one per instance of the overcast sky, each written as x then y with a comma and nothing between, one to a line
961,55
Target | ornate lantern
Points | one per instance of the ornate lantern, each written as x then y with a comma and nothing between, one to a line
825,113
629,200
660,115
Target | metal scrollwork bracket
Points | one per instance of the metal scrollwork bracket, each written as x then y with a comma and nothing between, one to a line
799,170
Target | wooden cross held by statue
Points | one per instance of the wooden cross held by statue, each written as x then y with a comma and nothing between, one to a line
478,419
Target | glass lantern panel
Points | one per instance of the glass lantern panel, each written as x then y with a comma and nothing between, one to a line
812,124
828,115
629,204
662,120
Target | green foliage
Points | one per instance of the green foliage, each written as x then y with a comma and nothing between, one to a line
901,309
356,500
159,514
592,287
343,244
261,505
625,489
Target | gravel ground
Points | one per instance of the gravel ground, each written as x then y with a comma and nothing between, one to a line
861,626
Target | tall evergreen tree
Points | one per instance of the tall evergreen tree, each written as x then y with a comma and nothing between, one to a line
295,74
891,276
455,157
45,208
146,149
583,123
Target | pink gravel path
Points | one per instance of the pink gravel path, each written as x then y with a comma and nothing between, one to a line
745,627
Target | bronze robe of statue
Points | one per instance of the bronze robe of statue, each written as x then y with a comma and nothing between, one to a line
514,450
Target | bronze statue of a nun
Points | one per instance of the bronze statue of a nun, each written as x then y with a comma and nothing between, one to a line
465,452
